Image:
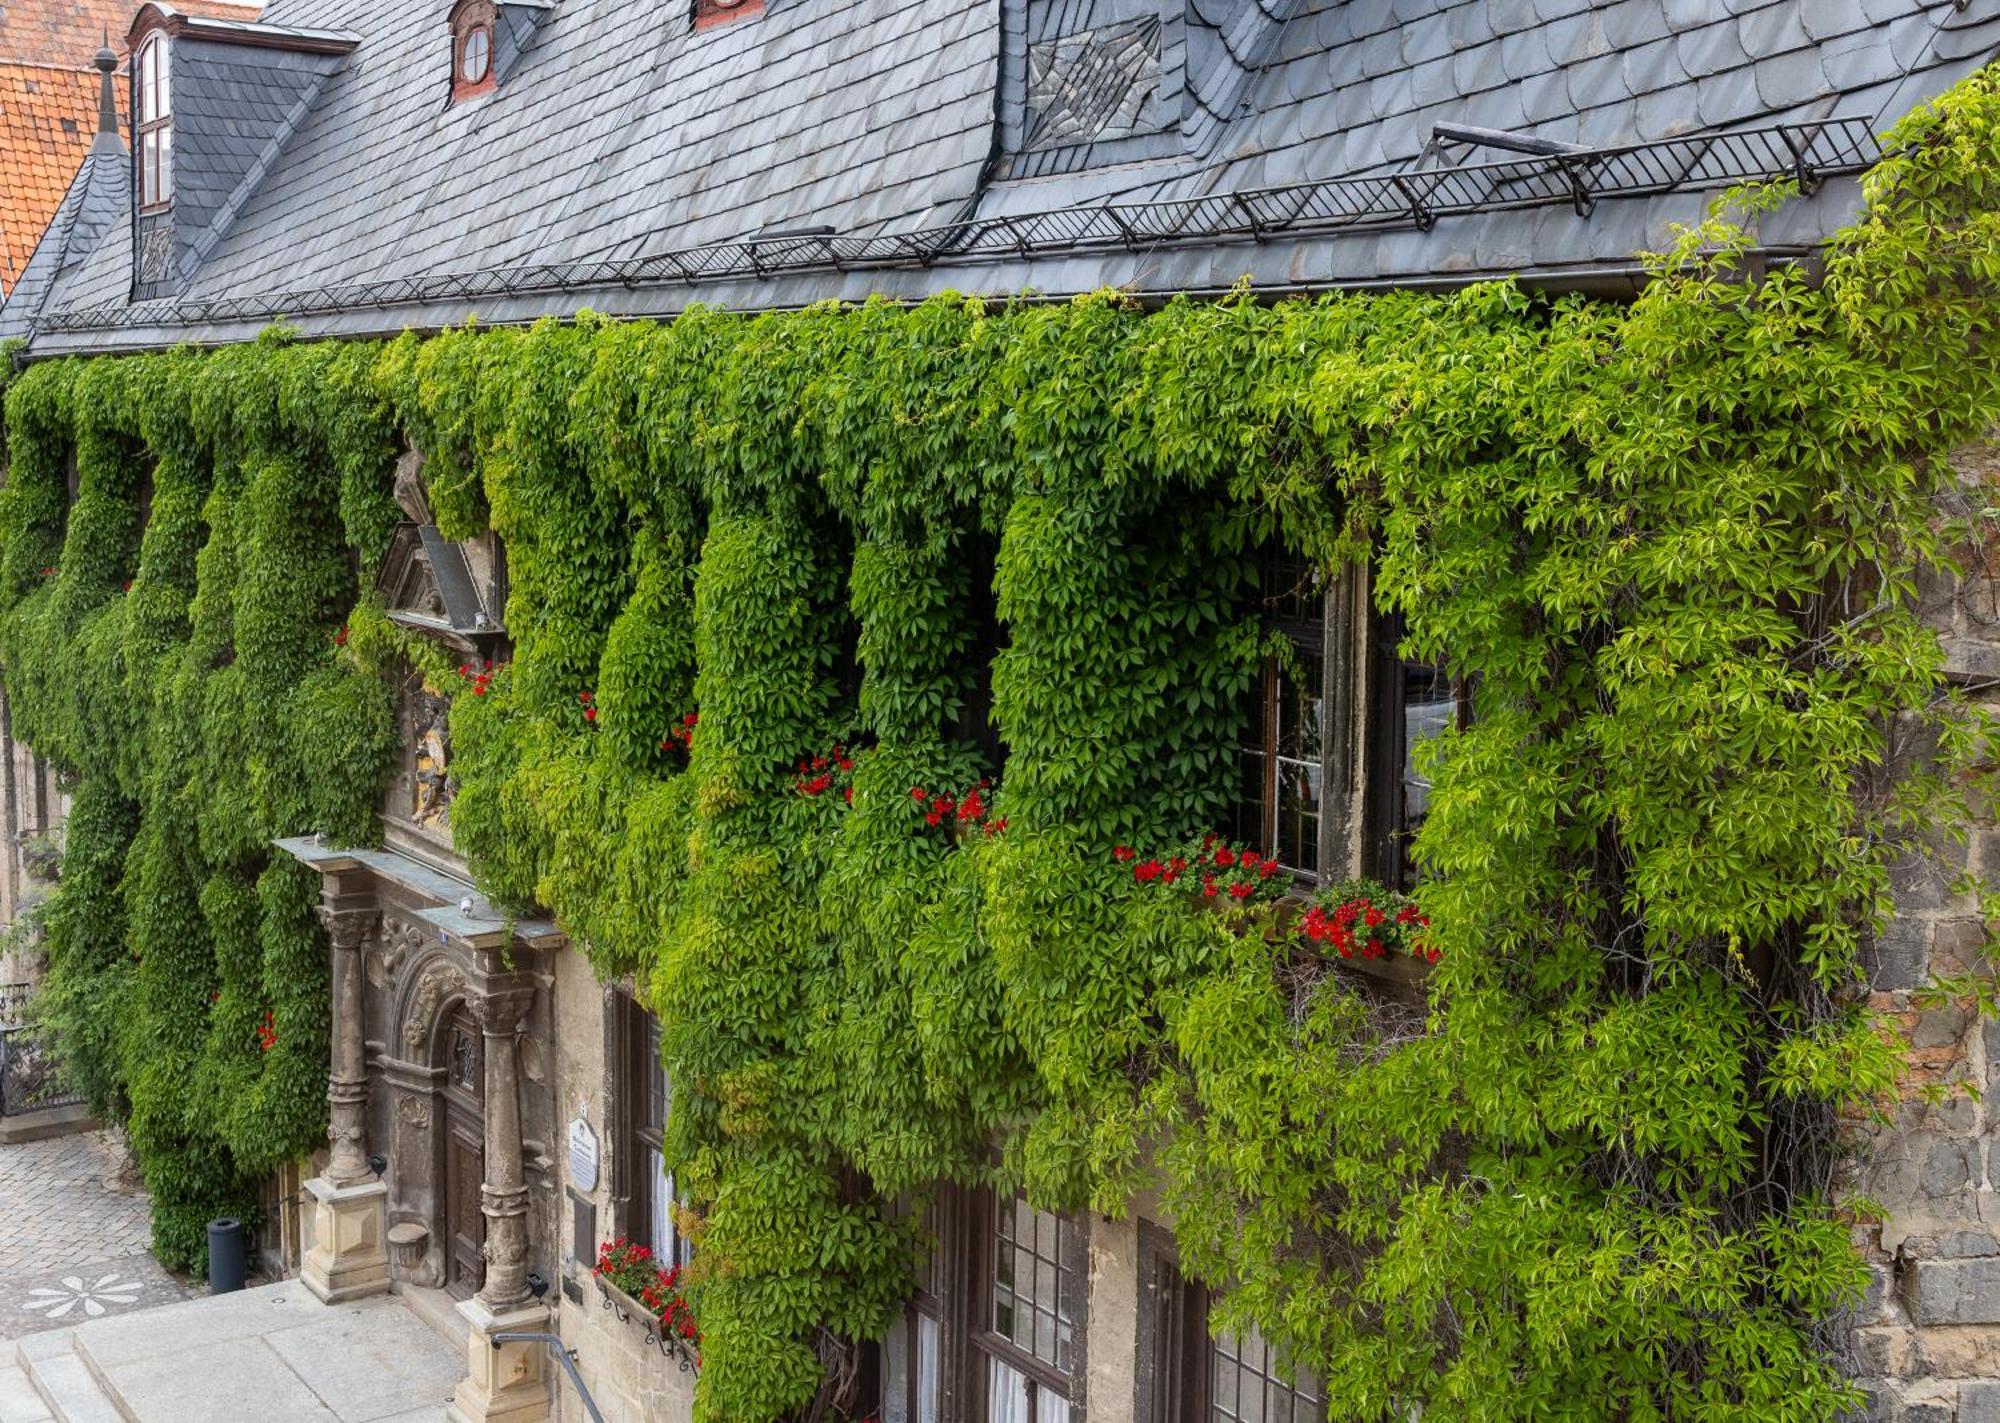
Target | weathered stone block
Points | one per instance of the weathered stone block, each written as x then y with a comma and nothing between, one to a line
1970,657
1979,1403
1948,1167
1953,1291
1899,957
1937,1027
1958,945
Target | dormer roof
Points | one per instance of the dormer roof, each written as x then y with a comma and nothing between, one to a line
224,30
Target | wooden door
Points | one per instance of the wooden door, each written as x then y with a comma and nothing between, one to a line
464,1158
465,1226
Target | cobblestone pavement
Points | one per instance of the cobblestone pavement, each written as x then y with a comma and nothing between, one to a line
72,1246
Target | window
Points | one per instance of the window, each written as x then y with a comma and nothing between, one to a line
472,58
913,1353
647,1099
995,1331
1028,1337
1416,702
1187,1376
475,56
153,148
720,12
1307,750
1284,757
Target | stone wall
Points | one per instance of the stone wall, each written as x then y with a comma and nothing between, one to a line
627,1378
1927,1339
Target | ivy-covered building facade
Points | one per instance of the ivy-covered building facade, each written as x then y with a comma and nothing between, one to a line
1016,712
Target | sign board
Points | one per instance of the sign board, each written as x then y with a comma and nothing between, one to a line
582,1154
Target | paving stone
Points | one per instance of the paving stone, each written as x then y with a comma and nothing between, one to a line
72,1247
234,1381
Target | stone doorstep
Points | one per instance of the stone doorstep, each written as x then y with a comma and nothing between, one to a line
436,1308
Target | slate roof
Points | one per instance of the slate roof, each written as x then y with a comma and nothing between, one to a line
921,145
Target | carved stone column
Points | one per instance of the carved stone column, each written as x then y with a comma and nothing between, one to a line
349,1257
504,1381
503,1195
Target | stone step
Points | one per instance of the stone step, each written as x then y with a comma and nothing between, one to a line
64,1382
19,1402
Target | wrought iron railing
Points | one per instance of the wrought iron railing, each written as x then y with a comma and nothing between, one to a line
30,1078
1808,152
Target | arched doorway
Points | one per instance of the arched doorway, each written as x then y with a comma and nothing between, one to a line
460,1052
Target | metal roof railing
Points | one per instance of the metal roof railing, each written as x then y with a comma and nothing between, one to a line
1808,152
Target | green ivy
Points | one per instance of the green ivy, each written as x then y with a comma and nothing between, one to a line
1673,543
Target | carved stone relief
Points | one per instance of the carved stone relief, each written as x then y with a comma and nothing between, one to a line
1094,85
439,983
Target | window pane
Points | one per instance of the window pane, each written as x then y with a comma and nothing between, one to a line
149,83
166,187
1429,709
1301,708
1006,1396
1298,815
1250,1387
930,1374
1034,1297
659,1197
165,71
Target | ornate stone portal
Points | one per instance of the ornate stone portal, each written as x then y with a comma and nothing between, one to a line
439,1173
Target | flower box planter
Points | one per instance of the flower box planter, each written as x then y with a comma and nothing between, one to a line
631,1312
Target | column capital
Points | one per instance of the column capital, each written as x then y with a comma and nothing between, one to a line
501,1011
348,926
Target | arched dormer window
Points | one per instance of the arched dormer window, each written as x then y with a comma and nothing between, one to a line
153,122
472,48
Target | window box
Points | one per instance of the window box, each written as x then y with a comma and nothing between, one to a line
635,1315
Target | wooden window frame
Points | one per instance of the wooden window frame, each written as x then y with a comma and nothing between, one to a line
638,1131
984,1346
960,1298
1176,1358
152,124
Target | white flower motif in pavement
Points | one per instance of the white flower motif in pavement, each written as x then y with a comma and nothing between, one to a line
59,1301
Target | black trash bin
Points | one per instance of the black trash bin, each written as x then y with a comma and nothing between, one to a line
227,1261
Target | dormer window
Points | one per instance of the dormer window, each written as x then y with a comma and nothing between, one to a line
472,48
154,123
721,12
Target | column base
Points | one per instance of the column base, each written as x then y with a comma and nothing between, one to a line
508,1384
349,1256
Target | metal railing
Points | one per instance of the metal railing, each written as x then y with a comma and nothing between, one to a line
30,1080
1808,153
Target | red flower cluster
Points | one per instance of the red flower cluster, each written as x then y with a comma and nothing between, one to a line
48,573
681,735
479,674
267,1031
1362,917
970,811
632,1269
822,773
588,701
1225,872
339,638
